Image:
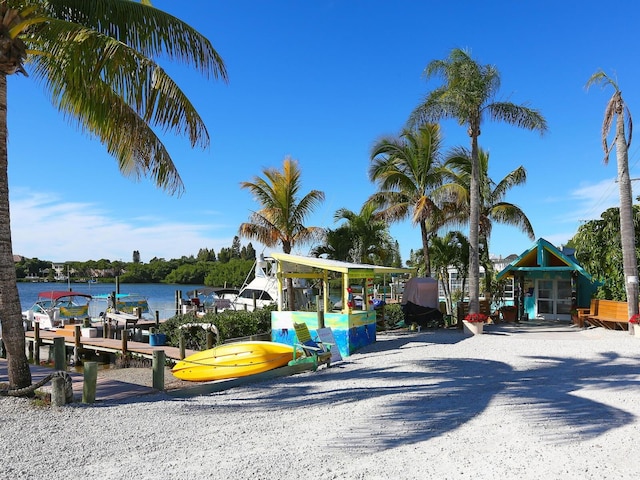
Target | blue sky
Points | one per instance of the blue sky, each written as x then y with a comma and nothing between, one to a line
321,81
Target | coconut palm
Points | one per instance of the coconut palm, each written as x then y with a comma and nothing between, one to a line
616,108
96,60
493,208
280,220
468,96
408,172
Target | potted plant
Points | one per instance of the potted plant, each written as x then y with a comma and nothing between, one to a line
508,313
474,323
156,339
634,325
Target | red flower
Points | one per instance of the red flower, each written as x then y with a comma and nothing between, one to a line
476,318
635,319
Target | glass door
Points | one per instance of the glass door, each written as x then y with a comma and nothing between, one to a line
553,299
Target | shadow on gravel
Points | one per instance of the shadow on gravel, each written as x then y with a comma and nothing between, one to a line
424,399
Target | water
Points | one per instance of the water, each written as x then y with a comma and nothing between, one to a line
161,296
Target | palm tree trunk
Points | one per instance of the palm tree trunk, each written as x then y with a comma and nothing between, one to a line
474,224
10,311
627,234
425,249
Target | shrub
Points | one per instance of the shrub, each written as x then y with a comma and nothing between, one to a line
230,324
393,316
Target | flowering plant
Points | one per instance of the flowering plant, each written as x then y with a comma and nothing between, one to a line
476,318
635,319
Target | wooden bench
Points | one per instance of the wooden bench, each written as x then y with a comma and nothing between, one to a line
609,314
583,313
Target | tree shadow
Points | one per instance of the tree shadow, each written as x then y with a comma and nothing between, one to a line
428,398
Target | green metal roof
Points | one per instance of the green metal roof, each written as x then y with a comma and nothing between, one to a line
543,257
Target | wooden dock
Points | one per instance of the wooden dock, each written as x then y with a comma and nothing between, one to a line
107,345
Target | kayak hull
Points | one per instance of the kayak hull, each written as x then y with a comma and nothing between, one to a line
233,360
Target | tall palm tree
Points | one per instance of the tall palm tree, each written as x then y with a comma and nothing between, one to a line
96,60
280,220
617,108
493,208
468,96
408,172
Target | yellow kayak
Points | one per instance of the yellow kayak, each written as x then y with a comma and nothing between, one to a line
233,360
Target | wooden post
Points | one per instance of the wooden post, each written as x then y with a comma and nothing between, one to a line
157,319
177,301
76,344
158,369
58,395
182,345
255,302
209,339
59,354
90,382
125,338
36,342
320,312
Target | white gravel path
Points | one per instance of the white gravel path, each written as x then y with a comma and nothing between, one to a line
515,403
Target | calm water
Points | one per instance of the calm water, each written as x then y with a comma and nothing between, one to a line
161,297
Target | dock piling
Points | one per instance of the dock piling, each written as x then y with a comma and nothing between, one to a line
90,382
59,354
157,365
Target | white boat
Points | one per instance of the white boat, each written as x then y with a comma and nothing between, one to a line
125,307
262,291
56,308
207,299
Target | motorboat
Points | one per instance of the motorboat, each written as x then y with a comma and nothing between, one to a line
207,299
262,291
129,304
57,308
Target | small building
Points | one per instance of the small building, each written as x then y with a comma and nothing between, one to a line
354,324
549,283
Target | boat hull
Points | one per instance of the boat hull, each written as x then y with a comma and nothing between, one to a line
233,360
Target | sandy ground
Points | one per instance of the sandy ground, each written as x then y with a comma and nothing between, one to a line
518,402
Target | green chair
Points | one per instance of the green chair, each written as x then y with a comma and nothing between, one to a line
313,351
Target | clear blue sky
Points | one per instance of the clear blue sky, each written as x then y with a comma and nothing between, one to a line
321,81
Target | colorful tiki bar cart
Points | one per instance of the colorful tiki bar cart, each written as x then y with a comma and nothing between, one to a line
354,324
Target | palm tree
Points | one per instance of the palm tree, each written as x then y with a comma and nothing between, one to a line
493,208
371,242
337,245
408,172
468,96
617,108
96,60
451,250
279,221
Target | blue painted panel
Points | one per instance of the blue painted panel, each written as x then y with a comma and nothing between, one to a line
351,332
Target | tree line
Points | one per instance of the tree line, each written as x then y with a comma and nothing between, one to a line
231,267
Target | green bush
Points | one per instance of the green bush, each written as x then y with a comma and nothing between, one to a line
230,324
393,316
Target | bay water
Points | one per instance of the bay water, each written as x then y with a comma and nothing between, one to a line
161,296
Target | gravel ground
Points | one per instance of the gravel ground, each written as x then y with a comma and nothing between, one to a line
518,402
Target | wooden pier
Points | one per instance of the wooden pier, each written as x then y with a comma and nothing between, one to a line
73,339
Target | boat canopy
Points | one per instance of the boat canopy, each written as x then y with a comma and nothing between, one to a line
57,295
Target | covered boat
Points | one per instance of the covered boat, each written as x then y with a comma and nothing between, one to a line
57,308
